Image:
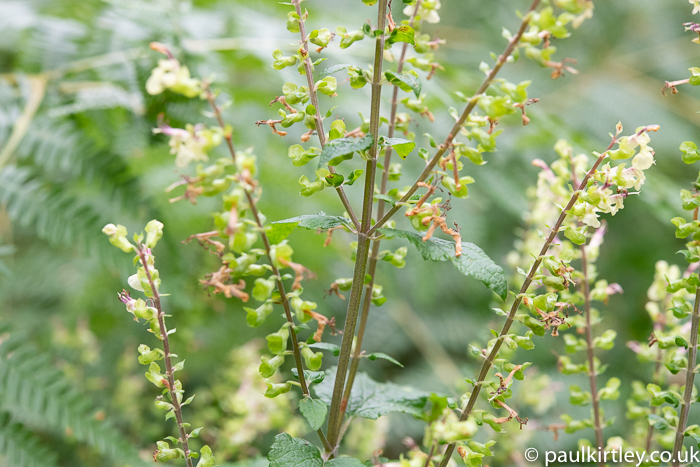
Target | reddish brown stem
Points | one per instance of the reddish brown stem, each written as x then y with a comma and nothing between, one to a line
275,271
313,95
177,408
462,119
488,362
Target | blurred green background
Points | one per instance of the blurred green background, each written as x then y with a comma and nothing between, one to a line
88,157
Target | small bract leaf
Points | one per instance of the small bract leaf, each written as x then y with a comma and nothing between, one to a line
406,81
403,147
314,411
402,34
338,150
375,355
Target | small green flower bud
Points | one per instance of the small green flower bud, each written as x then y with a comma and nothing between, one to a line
154,375
274,390
268,367
154,230
293,22
162,405
148,356
117,237
263,289
313,360
320,37
256,316
277,342
165,453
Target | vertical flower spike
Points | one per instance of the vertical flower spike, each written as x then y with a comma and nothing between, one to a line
147,280
551,268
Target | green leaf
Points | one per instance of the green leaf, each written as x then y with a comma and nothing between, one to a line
370,399
658,422
326,346
332,69
694,76
344,462
406,81
335,180
338,150
314,411
690,152
293,452
473,262
207,459
403,147
352,178
312,377
375,355
279,230
402,34
386,198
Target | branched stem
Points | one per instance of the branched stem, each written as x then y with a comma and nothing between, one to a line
518,300
366,303
689,381
590,350
177,408
275,271
313,95
363,239
463,118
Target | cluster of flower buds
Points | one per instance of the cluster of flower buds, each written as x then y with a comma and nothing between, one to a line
193,143
171,75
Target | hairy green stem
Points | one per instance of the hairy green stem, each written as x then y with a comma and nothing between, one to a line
363,239
367,302
177,408
462,119
275,271
486,367
590,350
689,381
313,96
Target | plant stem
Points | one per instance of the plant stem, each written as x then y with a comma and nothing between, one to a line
432,449
177,408
656,378
590,349
376,243
275,271
336,409
689,381
313,95
463,118
486,367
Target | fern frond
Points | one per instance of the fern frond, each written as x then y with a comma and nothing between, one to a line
40,396
20,447
5,250
51,214
63,152
52,43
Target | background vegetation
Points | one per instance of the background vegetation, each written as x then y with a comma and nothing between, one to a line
77,152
